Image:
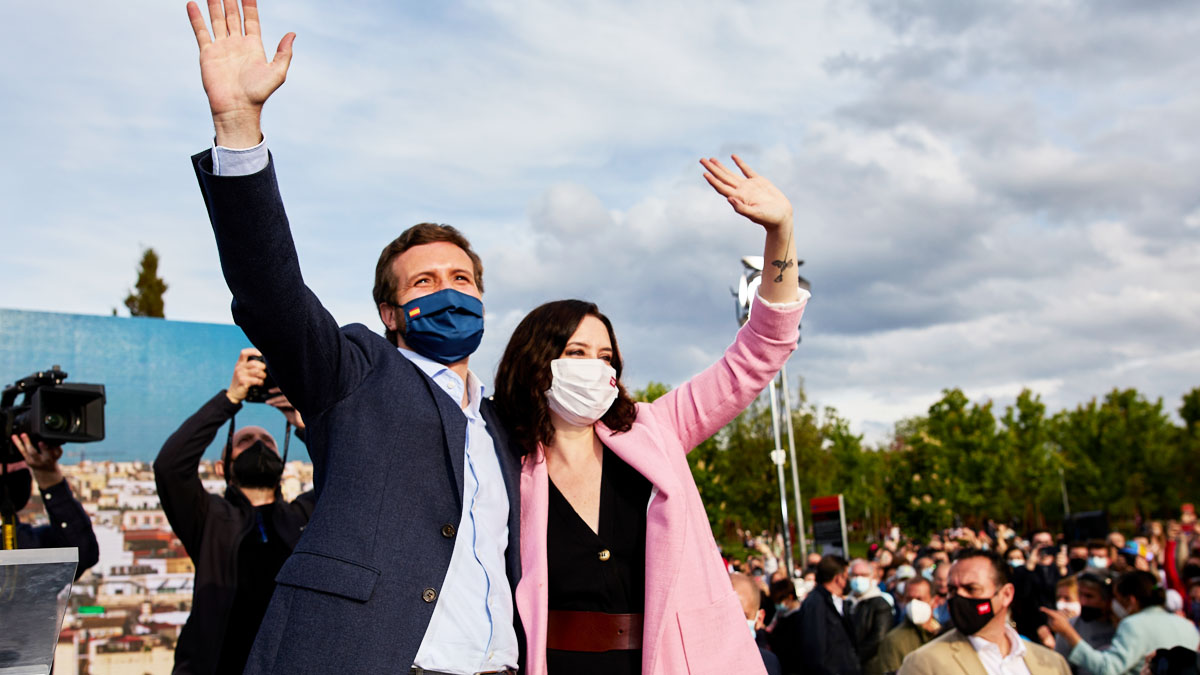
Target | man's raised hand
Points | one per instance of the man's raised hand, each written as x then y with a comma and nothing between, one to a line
234,69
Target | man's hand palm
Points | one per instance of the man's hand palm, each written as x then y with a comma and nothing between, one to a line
236,74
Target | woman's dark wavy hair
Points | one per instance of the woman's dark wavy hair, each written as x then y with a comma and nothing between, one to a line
523,375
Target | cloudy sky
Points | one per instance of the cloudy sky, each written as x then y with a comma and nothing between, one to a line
990,195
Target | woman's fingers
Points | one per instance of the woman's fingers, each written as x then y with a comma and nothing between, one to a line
720,172
723,189
746,170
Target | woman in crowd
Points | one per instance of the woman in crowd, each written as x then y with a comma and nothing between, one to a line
620,570
1144,627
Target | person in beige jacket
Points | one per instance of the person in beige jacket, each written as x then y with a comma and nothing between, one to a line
982,642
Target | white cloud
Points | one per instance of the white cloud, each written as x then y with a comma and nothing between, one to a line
988,197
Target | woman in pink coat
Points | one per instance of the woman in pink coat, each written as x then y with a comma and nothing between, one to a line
620,572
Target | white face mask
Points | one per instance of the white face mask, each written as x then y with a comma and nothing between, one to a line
581,390
1071,609
1119,610
919,612
753,630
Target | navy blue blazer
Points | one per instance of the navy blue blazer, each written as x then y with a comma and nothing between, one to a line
387,447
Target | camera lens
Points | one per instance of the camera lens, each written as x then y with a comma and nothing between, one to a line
62,422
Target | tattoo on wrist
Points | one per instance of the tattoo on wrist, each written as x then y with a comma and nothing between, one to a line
782,265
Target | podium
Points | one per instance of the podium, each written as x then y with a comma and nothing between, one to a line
35,585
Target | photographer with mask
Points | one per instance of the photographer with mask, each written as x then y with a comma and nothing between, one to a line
70,526
237,541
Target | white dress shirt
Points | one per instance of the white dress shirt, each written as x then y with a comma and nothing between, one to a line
993,662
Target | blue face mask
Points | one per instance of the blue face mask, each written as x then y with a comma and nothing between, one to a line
942,614
859,585
445,326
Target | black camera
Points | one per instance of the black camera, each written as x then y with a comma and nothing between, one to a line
52,411
259,393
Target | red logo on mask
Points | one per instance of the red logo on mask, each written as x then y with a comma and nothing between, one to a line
983,608
612,381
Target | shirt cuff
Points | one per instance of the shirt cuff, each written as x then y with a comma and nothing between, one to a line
804,296
231,162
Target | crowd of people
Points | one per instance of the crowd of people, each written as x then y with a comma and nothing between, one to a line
966,600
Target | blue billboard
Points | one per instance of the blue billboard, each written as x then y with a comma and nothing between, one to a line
156,373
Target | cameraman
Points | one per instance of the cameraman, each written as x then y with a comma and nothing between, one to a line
238,542
69,525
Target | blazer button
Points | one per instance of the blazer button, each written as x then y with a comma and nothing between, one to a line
447,530
429,595
604,555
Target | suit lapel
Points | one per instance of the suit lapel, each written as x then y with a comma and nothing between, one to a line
510,468
454,427
1035,663
965,655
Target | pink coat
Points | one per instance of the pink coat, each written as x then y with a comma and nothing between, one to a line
693,620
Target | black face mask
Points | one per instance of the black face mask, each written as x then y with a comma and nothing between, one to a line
258,466
970,615
1076,565
1090,614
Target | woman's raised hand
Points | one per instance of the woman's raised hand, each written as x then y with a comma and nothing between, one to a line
750,194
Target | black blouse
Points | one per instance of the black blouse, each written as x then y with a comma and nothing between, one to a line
603,572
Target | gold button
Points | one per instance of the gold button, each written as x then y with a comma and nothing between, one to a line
605,555
447,530
429,595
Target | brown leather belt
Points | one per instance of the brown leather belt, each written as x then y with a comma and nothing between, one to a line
593,631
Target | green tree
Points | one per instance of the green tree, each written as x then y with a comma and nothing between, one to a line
1029,468
1121,455
1189,446
146,299
951,458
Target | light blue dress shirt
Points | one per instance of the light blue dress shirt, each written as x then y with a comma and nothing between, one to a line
472,625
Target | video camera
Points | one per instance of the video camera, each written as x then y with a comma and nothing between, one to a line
51,411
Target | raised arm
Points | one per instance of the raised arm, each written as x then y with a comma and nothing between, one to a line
237,77
176,469
69,524
271,303
710,400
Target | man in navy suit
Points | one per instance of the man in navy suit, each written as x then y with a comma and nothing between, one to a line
411,554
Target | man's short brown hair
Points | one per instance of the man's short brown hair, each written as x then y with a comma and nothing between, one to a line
424,233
